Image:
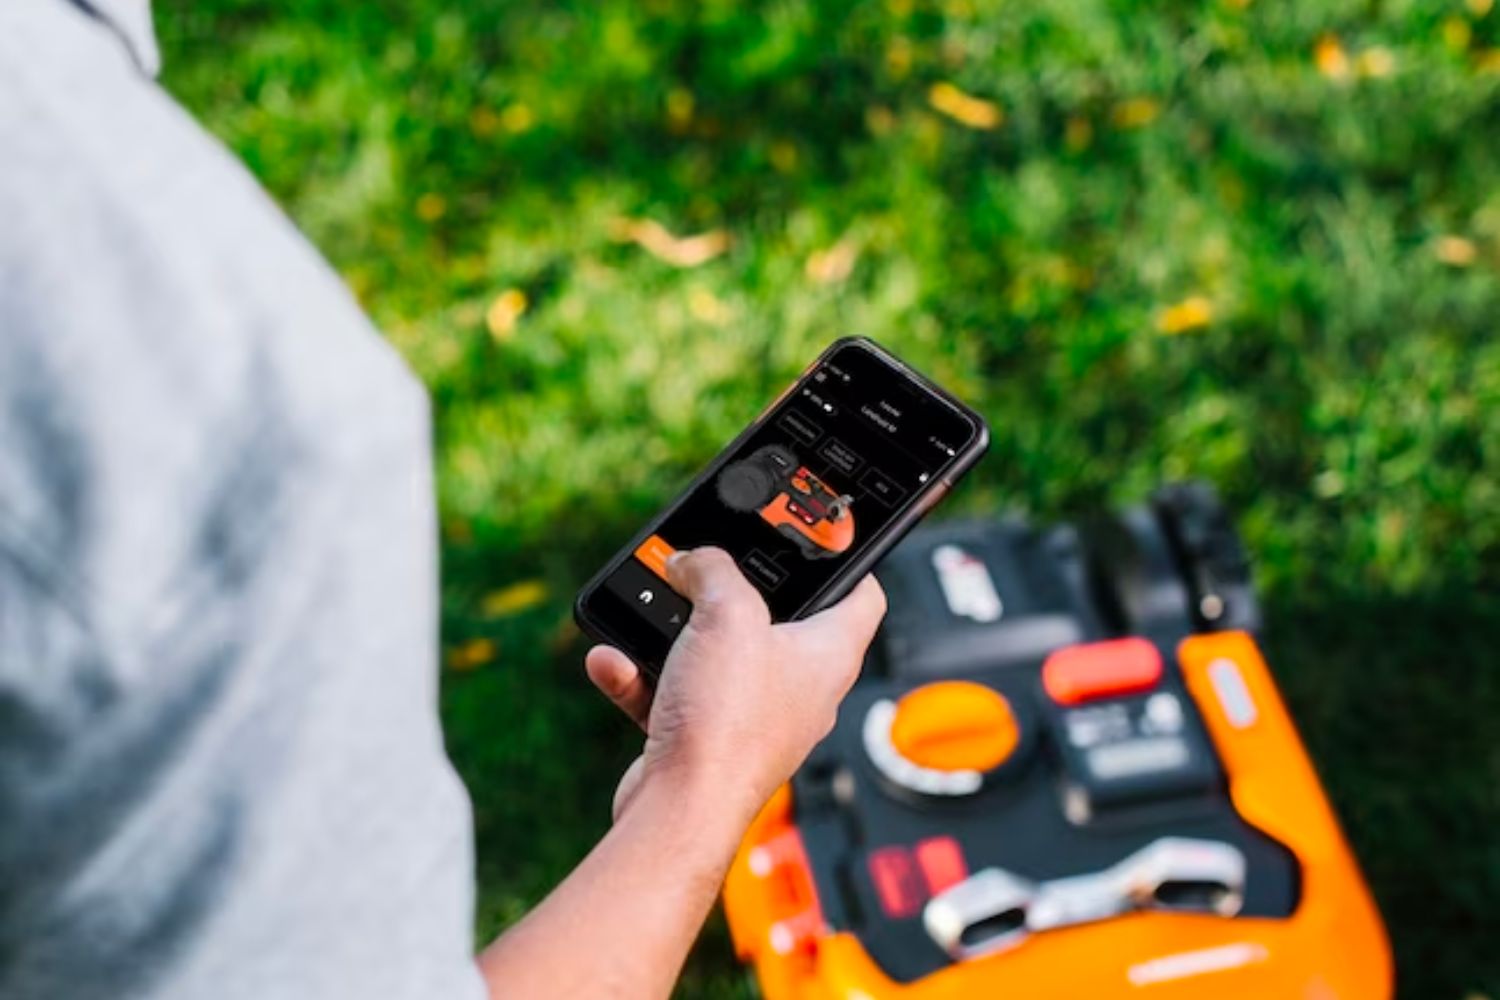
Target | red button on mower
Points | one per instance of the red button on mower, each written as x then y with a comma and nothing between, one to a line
905,879
1078,674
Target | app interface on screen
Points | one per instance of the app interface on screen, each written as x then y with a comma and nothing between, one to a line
846,452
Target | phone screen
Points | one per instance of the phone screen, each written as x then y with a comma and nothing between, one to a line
848,451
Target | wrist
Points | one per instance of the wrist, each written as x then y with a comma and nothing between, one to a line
703,796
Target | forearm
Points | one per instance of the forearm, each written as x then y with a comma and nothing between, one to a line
622,923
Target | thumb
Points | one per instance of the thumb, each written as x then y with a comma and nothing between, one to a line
719,591
613,673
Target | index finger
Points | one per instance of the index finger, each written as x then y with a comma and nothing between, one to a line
844,632
853,620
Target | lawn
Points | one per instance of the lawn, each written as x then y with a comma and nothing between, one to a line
1255,242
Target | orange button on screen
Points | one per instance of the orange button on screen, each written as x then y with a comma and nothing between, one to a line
655,552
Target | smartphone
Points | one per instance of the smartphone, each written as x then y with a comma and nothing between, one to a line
807,499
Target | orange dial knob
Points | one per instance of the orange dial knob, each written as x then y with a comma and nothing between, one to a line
955,725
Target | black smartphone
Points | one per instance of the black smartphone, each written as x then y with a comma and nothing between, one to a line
806,500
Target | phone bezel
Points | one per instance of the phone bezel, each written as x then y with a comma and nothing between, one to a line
632,639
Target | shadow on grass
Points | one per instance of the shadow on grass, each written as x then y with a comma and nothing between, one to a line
1397,698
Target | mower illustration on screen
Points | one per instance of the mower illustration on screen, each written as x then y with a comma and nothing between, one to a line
788,497
1066,772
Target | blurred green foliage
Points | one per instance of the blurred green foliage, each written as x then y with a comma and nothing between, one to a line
1307,193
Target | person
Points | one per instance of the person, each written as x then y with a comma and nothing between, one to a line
221,770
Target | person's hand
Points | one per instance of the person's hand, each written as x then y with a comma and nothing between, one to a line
740,702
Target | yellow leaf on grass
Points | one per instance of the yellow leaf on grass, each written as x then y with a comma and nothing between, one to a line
1328,484
504,312
563,636
1479,8
1376,61
1457,34
1078,133
680,106
833,264
359,281
679,251
431,207
879,119
1455,251
898,56
1488,61
516,597
975,112
707,307
783,156
483,121
1331,59
1193,313
517,118
1137,112
470,655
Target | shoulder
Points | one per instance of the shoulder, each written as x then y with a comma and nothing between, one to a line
129,226
166,334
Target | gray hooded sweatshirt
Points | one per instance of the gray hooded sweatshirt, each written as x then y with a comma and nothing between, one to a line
221,772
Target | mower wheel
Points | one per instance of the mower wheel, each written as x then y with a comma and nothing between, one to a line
746,486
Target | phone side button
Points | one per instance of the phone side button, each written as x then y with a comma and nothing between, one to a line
933,496
781,397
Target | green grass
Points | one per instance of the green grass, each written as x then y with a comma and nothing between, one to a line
1338,228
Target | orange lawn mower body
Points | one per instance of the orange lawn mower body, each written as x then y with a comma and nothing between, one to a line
1069,773
790,498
